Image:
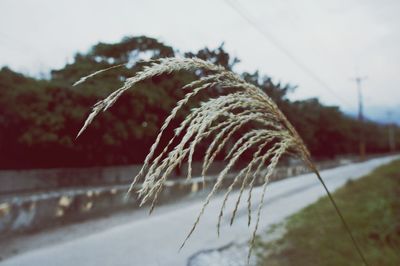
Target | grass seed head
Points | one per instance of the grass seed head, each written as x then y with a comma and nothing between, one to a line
220,117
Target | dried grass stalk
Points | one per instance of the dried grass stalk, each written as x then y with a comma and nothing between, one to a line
220,117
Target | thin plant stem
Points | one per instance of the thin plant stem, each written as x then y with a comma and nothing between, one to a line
342,219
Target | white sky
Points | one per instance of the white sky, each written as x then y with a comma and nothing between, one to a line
334,38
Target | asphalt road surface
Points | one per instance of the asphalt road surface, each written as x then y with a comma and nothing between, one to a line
154,240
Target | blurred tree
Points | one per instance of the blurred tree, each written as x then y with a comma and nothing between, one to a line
218,56
39,119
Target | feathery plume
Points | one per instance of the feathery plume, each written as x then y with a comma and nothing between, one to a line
243,106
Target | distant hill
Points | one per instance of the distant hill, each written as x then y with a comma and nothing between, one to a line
380,114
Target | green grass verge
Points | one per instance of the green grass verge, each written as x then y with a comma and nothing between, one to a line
315,235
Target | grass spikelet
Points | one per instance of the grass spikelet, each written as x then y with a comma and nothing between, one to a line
241,106
270,169
83,79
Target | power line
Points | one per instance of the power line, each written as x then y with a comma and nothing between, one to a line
267,35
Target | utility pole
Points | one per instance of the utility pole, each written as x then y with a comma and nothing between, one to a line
391,141
358,81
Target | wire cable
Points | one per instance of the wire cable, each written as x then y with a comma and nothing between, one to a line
267,35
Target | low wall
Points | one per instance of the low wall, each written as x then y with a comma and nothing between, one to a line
14,181
47,179
22,212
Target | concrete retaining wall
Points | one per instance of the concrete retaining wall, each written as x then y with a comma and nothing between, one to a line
21,212
14,181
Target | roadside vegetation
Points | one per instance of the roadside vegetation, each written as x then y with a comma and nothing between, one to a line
315,235
39,117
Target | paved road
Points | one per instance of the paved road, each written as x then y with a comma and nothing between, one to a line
155,240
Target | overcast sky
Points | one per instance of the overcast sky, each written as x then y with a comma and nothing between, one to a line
335,39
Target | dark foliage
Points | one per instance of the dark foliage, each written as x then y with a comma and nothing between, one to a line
39,119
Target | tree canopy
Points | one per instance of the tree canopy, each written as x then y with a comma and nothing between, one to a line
39,118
